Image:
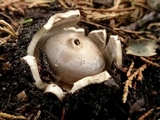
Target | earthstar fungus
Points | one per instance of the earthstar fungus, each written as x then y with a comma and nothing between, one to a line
77,60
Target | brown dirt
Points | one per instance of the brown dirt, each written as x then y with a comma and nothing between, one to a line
94,102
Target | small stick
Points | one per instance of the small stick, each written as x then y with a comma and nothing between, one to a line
140,75
11,117
128,82
63,3
150,62
38,115
148,113
153,24
104,27
130,31
109,10
116,4
63,113
8,28
130,69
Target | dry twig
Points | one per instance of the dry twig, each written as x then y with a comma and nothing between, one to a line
12,117
153,24
38,115
130,31
104,27
7,28
128,83
140,75
17,6
109,10
63,3
148,113
130,69
150,62
116,4
63,113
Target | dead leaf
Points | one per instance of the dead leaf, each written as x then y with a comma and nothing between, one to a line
143,47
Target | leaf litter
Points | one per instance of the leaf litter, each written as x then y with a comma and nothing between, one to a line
142,23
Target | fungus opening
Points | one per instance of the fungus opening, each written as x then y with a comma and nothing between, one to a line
77,42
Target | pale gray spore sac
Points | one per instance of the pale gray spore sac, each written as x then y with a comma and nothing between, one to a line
73,56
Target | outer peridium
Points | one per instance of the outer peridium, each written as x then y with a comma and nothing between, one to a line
69,20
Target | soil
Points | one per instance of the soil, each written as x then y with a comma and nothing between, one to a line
94,102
